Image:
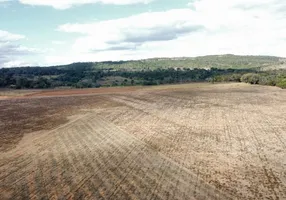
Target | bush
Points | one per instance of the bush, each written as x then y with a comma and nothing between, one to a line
250,78
282,83
268,80
84,84
149,83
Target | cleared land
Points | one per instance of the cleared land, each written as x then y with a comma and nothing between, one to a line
194,141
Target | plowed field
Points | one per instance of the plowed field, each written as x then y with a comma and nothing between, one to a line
194,141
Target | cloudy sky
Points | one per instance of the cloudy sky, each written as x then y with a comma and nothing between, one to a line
49,32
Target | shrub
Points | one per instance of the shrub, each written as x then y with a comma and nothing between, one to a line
268,80
250,78
282,83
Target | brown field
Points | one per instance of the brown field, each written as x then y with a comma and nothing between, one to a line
7,93
193,141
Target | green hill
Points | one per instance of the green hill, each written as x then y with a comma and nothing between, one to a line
204,62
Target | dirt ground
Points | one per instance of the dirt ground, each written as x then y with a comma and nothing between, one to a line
193,141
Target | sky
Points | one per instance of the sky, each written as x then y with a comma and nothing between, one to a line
54,32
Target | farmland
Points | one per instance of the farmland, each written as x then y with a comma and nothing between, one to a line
189,141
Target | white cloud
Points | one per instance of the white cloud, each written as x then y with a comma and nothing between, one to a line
5,3
65,4
131,32
11,51
6,36
256,27
18,63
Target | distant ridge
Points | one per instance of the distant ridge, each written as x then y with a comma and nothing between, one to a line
226,61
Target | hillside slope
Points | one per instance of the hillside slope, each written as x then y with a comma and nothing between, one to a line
206,62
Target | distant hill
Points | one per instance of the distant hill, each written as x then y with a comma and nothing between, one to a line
227,61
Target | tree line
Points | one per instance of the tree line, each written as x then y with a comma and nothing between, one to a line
86,75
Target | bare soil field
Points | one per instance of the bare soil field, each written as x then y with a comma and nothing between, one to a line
68,92
9,93
193,141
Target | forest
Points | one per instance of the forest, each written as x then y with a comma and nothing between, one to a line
229,68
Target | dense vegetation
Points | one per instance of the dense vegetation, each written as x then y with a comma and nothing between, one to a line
148,72
271,78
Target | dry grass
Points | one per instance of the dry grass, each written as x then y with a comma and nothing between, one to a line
176,142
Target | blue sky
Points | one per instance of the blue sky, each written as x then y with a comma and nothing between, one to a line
51,32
